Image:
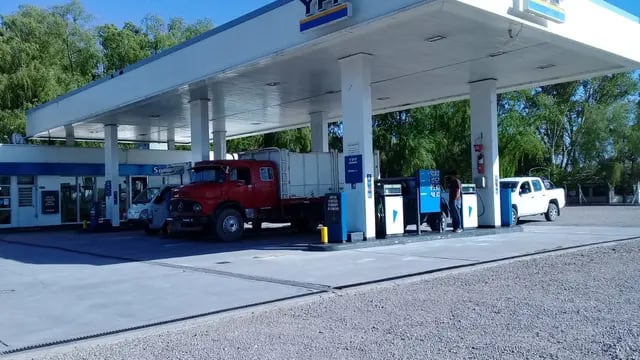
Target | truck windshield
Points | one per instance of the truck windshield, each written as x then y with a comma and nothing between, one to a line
511,185
210,174
146,195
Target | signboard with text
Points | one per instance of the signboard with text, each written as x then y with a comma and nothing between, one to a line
320,13
50,202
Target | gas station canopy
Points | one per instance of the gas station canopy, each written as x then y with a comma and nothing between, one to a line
266,72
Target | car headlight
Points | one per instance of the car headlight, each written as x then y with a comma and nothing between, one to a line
144,214
197,208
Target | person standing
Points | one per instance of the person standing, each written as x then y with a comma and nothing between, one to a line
455,202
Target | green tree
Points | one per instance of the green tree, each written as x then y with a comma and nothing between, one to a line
403,141
122,47
43,54
298,140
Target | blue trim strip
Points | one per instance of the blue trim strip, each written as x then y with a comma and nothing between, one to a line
341,14
216,30
547,11
617,10
16,169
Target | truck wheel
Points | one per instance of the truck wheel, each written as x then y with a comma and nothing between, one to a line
229,225
552,212
514,216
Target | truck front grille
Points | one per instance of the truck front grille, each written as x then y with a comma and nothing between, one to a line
181,206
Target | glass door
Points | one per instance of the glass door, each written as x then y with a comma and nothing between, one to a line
69,199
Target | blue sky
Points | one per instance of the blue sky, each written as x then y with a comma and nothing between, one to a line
119,11
220,11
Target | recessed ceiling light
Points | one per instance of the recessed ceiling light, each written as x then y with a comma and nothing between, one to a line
154,116
497,53
546,66
256,123
143,134
384,98
331,92
274,83
435,38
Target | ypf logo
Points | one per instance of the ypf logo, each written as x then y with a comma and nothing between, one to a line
323,12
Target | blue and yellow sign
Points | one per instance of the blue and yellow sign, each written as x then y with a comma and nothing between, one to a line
323,12
548,9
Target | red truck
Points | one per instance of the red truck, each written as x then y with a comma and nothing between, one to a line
271,185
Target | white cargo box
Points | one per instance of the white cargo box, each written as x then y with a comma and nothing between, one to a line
305,175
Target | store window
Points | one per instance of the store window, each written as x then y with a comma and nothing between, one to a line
5,200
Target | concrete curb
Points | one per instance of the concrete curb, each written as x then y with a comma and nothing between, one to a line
408,239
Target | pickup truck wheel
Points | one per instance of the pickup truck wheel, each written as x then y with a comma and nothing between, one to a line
443,223
229,225
514,216
552,212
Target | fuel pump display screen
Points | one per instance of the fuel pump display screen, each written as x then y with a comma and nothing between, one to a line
429,181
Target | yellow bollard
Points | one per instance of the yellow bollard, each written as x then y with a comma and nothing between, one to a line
324,235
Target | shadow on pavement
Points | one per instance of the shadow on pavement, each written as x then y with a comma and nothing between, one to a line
98,249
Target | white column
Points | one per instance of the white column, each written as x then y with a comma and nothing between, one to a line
69,135
319,132
112,173
484,130
358,140
199,130
219,126
171,139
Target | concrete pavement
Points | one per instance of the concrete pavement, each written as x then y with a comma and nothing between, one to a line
56,286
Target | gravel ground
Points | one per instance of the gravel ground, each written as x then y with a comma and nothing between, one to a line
575,305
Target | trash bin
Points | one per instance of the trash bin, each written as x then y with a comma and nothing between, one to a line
506,216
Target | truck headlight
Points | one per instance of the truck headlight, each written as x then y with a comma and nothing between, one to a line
197,208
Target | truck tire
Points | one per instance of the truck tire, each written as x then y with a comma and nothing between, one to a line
228,225
552,212
514,216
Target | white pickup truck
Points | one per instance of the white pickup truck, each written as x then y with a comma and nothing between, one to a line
533,196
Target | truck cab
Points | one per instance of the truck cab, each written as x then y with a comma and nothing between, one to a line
225,194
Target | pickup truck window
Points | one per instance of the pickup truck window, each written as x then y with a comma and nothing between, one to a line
525,188
537,186
511,185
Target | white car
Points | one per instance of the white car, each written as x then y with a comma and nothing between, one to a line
534,196
140,209
159,211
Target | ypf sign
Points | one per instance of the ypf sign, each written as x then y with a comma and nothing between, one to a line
323,12
547,9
